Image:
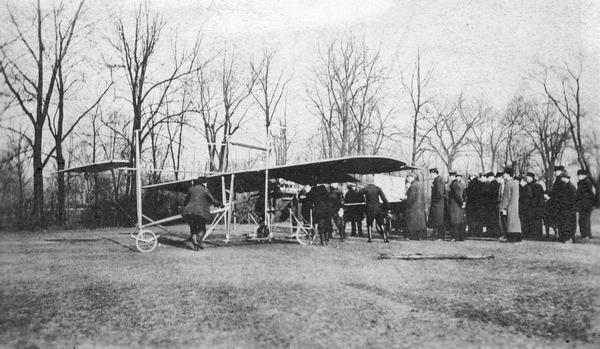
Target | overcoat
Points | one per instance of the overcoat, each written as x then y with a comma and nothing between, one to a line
537,200
552,210
585,196
525,202
354,213
510,203
198,201
415,207
474,197
436,209
565,206
323,205
373,194
457,212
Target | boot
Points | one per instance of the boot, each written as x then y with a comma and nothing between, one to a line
195,242
369,234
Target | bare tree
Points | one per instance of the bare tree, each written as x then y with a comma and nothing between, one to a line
59,129
488,139
448,128
566,98
222,112
137,52
517,149
32,85
13,181
282,139
415,87
549,135
269,87
345,94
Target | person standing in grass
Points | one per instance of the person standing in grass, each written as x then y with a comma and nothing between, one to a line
509,207
525,206
436,208
566,196
375,209
585,204
416,222
457,206
197,211
537,206
354,211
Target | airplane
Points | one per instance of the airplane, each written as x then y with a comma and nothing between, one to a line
336,170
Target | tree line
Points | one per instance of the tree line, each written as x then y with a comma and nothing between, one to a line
57,109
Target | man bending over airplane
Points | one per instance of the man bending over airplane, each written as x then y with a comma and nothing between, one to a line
197,211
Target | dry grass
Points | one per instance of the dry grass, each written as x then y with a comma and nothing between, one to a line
88,289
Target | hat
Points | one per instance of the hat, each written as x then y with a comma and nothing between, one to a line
564,175
531,174
434,170
499,174
489,174
509,171
452,173
559,168
582,172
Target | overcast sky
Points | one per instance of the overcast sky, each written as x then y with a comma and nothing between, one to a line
485,48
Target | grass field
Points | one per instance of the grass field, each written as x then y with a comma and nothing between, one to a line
88,289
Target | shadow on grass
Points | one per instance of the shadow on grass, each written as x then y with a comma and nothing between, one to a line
563,312
120,244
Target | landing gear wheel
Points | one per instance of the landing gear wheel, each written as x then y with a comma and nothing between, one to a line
146,241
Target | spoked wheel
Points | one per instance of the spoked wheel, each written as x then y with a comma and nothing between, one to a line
146,241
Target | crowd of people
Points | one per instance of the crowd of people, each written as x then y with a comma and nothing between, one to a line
501,205
497,205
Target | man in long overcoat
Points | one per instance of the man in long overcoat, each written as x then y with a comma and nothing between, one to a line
354,210
509,206
552,211
436,208
473,205
323,211
525,207
457,206
416,222
585,204
491,195
566,196
537,206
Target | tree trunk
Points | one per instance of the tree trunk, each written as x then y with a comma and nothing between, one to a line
60,195
38,219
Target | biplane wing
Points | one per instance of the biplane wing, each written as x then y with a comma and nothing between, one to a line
98,167
338,170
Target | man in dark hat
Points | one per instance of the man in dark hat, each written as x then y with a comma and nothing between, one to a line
436,208
509,207
474,198
566,196
552,207
537,206
488,198
525,207
585,203
456,206
197,211
496,191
